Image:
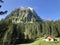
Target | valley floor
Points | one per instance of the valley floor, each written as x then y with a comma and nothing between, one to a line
41,42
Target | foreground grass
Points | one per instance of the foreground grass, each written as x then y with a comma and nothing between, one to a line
41,42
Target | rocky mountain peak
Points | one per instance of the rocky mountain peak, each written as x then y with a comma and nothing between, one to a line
24,15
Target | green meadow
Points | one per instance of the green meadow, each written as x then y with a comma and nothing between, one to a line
41,42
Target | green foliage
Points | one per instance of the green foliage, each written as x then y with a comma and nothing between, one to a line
27,31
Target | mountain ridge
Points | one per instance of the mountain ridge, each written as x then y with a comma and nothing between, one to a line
24,15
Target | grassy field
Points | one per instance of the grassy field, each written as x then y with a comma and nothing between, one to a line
41,42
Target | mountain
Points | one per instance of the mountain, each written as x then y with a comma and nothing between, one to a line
23,25
24,15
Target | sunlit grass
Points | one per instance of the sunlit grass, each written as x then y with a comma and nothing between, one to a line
41,42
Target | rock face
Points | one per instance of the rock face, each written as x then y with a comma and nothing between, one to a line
24,15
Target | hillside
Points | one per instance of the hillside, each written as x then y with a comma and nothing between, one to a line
41,42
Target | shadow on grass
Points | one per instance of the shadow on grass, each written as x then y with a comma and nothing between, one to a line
23,41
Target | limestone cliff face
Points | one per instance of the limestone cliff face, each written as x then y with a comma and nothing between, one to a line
24,15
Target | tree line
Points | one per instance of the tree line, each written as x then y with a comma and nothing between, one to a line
14,33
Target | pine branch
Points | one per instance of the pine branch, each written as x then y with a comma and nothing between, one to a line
1,12
1,1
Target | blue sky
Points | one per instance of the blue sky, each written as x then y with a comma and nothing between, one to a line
46,9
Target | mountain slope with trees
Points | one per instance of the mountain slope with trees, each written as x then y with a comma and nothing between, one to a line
23,25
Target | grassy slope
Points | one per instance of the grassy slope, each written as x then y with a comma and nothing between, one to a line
41,42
